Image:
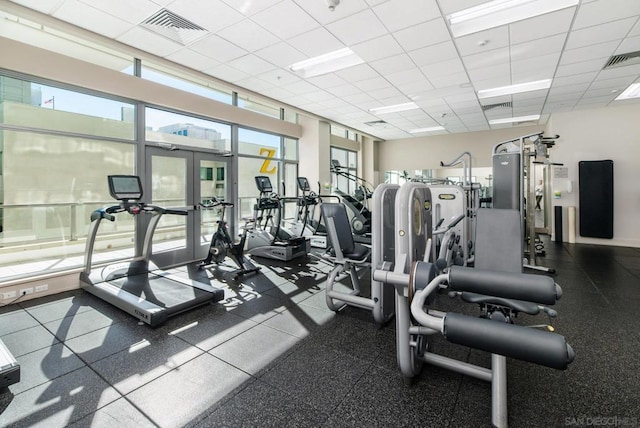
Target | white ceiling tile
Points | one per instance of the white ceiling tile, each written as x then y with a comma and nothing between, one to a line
432,54
541,26
195,60
635,31
217,48
619,82
285,20
133,12
424,34
371,84
358,98
612,73
487,59
483,41
615,30
453,79
392,64
537,47
281,54
200,12
276,93
280,77
572,97
254,84
44,6
411,89
388,92
569,89
399,14
318,96
251,64
604,92
249,7
574,79
450,6
301,87
327,81
602,11
91,18
410,75
357,28
357,73
443,68
248,35
145,40
500,72
630,44
580,67
342,90
227,73
316,42
535,68
381,47
600,50
322,14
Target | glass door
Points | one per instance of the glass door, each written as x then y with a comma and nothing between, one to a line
181,179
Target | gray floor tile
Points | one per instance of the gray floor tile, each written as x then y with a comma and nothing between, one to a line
300,321
255,349
261,405
109,340
51,308
317,375
380,398
144,362
208,329
187,393
79,324
60,402
43,365
120,413
256,307
28,340
16,320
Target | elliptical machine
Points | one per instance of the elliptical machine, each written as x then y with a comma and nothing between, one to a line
222,245
306,223
357,204
266,238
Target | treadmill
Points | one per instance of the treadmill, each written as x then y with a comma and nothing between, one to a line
138,286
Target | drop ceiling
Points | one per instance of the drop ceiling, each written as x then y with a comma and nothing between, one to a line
408,50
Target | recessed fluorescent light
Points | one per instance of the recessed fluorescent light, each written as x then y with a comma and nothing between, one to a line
514,119
633,91
394,108
500,12
515,89
327,63
431,129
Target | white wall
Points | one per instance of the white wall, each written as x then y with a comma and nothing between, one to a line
427,152
598,134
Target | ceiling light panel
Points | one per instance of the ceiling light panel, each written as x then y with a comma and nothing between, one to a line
530,118
501,12
394,108
429,129
515,89
326,63
633,91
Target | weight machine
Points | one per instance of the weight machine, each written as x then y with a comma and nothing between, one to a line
514,185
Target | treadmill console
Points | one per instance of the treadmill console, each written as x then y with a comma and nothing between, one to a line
264,184
125,187
303,184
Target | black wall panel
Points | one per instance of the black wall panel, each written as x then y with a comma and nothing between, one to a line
596,198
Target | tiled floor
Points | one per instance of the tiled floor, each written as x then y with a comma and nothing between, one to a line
272,354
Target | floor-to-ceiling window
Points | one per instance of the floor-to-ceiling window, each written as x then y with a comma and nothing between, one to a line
57,146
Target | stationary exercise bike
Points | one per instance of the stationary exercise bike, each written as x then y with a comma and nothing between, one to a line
222,245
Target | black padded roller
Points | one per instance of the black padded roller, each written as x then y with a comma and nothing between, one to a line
520,286
522,343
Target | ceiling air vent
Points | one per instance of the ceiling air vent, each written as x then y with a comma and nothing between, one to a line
630,58
378,123
174,27
499,105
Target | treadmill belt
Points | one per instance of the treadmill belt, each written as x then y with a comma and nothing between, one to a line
159,290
